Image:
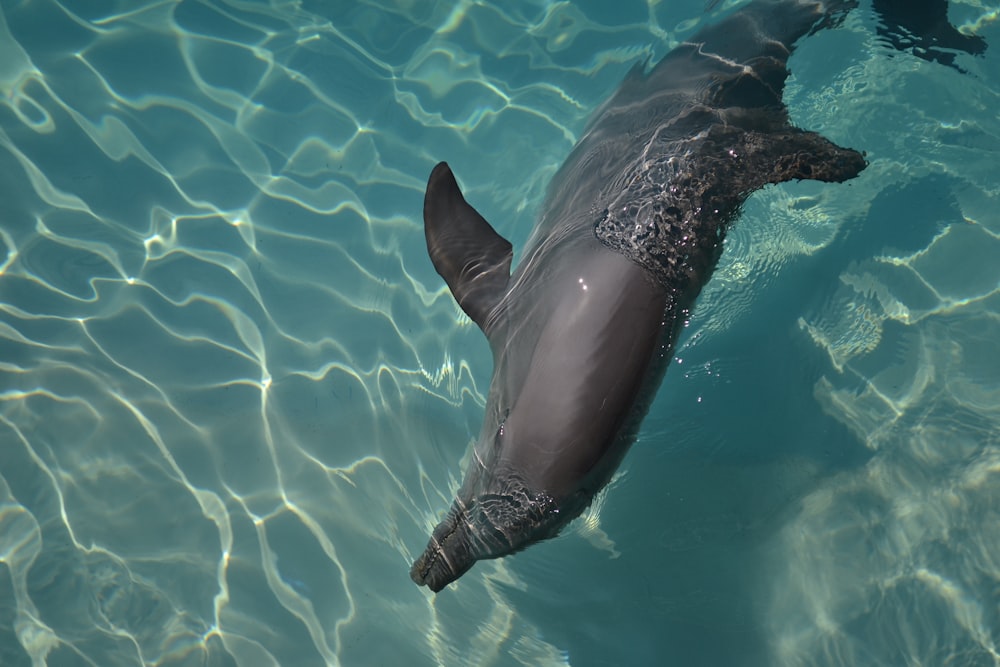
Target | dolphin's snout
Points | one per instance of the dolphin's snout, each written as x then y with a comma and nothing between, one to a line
448,554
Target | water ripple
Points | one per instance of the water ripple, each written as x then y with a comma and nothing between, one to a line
233,389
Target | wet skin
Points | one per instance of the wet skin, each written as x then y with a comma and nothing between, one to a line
631,230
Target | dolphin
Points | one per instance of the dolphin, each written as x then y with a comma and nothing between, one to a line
631,229
921,27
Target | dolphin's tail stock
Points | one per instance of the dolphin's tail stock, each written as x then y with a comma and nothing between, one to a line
921,27
757,39
739,37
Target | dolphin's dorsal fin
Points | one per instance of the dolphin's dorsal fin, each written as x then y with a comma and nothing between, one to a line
468,253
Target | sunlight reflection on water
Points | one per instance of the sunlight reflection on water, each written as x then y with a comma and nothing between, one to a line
234,393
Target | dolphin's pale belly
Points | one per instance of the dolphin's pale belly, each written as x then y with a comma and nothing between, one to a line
631,230
598,323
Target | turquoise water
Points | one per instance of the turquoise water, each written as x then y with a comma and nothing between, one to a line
235,396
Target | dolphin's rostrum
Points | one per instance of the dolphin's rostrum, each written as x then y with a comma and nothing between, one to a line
631,230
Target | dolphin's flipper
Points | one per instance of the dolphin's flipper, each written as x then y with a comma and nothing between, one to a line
733,163
790,154
468,253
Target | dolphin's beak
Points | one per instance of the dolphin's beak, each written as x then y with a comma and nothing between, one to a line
448,554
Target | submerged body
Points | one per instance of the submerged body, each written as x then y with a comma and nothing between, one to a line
631,230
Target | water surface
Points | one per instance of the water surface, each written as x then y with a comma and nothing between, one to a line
235,396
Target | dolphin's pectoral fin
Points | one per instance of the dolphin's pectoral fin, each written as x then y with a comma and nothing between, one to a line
468,253
794,154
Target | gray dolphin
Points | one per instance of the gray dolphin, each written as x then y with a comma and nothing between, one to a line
631,229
